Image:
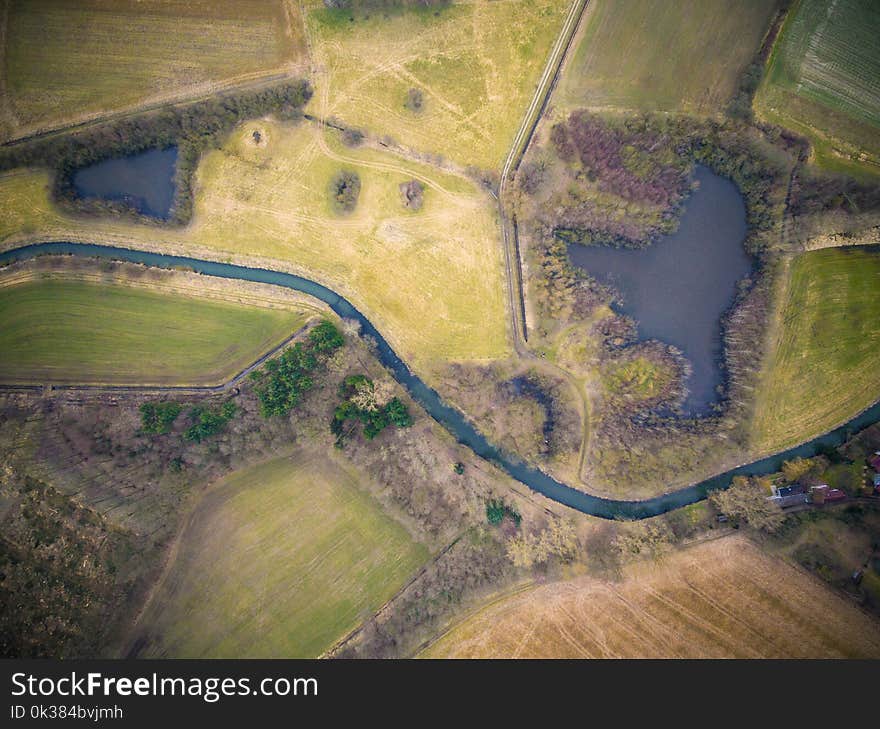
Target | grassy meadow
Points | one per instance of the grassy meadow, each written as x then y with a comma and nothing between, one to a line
67,60
279,560
823,80
476,64
656,55
81,332
431,280
825,367
720,599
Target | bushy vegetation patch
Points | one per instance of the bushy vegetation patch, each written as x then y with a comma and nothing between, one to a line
345,187
281,382
370,404
208,421
158,417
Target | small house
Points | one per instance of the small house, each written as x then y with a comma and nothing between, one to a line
787,496
834,495
818,493
874,461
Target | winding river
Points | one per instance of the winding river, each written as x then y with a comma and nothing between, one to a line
448,417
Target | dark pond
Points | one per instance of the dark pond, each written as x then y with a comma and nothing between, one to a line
678,288
143,181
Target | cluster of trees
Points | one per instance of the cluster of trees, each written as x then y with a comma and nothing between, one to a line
415,100
281,382
635,162
746,502
558,540
365,402
206,421
192,128
649,538
412,193
497,510
158,417
345,187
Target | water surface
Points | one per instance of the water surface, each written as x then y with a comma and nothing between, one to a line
678,288
142,181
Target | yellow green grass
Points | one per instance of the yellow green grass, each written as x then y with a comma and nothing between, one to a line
476,63
825,366
66,59
80,332
659,55
431,280
279,560
823,80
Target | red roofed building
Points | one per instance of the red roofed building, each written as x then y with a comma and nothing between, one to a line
834,495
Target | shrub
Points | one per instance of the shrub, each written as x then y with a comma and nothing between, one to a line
158,417
345,187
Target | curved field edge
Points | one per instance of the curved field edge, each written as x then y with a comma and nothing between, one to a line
73,331
281,559
823,367
720,599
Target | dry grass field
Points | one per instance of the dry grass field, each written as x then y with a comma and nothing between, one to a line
431,280
722,599
65,60
278,560
828,345
823,80
656,55
476,64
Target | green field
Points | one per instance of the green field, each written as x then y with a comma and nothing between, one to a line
65,60
659,55
279,560
476,64
826,365
823,80
78,332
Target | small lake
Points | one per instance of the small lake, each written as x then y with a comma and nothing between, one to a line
143,181
678,288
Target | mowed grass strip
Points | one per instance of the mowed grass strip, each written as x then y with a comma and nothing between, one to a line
722,599
823,80
659,55
65,59
476,64
86,333
280,560
826,365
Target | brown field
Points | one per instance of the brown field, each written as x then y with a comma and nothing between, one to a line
63,61
724,598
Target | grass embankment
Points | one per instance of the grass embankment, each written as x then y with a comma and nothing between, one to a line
656,55
721,599
79,332
279,560
69,60
823,80
430,279
475,64
825,366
